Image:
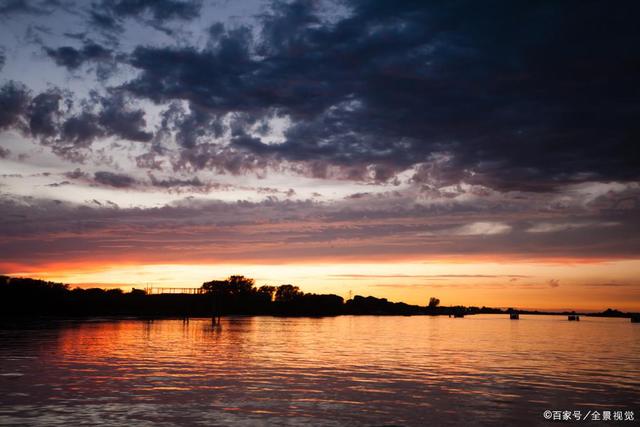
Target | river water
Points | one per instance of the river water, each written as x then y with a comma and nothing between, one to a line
335,371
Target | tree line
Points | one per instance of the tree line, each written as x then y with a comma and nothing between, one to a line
236,295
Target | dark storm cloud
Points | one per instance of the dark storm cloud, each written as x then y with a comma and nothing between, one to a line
114,179
109,13
514,93
76,174
120,120
115,117
104,20
190,126
82,129
48,117
122,180
183,185
76,36
72,58
175,182
44,112
510,95
160,9
11,7
211,79
14,100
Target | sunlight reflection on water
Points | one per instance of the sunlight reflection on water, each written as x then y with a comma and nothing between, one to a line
361,370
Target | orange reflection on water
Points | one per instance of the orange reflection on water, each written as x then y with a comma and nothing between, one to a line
353,370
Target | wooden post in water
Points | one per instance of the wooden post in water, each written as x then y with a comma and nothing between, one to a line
215,309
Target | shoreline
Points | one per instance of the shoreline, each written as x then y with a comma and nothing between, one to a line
118,317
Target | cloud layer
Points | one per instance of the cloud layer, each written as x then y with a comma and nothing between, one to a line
359,128
510,96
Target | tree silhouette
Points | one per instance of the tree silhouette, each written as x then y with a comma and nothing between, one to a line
215,286
240,285
234,295
233,287
286,293
267,292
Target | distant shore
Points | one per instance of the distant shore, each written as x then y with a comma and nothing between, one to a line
237,295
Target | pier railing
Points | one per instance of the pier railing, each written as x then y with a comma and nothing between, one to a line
162,290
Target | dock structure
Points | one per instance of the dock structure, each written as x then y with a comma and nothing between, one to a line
174,291
635,318
215,303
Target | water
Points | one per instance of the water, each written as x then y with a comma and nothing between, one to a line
366,370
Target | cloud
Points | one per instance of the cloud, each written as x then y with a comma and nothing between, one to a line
547,227
76,174
14,100
28,7
174,182
48,118
480,228
368,92
120,120
44,113
179,185
425,129
280,230
106,61
109,14
59,184
72,58
82,130
125,181
115,117
606,285
423,82
114,179
161,10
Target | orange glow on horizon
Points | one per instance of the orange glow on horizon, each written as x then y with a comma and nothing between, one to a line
553,284
93,264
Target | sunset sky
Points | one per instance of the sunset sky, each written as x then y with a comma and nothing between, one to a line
485,153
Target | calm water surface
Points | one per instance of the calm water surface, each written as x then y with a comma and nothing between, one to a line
367,370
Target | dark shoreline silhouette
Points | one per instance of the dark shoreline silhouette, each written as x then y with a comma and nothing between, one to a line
236,295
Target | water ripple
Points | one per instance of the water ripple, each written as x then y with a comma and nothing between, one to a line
363,370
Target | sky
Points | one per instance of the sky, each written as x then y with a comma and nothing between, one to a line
485,153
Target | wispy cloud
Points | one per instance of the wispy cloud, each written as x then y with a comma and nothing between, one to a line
548,227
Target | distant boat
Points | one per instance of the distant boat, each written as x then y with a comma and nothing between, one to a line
458,314
514,316
635,318
574,317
